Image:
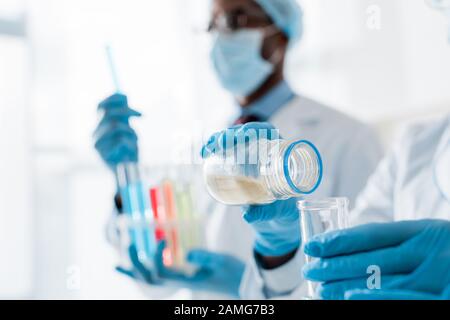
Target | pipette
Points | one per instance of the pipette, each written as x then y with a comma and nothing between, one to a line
112,68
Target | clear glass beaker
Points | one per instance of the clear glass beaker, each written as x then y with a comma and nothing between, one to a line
320,216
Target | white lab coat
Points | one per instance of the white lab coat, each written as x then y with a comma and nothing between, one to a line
412,182
406,184
350,152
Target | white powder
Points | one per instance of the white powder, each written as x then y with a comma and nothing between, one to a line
236,190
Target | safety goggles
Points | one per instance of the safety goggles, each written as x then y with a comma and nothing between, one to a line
234,21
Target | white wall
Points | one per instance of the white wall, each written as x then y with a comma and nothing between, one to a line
371,73
16,219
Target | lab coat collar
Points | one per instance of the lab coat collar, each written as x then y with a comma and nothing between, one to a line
307,112
271,102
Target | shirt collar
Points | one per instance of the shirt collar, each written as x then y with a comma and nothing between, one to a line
271,102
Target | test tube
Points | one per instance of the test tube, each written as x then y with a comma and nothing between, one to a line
158,214
136,206
187,215
171,212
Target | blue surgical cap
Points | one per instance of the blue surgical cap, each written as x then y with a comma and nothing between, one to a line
287,16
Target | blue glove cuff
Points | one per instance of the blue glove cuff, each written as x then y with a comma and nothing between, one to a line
277,238
268,250
277,227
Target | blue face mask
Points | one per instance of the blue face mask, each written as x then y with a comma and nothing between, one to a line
238,62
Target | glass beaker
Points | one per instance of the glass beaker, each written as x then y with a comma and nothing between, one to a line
320,216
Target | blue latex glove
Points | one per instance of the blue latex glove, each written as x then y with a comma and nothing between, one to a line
115,140
229,138
394,295
277,227
216,272
411,255
277,224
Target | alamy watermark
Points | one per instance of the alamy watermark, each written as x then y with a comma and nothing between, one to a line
374,280
73,279
373,21
233,146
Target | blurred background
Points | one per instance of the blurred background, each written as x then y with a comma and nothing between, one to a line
382,61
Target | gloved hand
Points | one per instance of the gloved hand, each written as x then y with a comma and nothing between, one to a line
231,137
394,295
115,140
277,224
277,227
216,272
411,255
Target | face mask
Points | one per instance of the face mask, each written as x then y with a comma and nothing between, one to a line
238,62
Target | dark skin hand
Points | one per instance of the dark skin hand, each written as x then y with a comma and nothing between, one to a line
273,50
274,45
274,262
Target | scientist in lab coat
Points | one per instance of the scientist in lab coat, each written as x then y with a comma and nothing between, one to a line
401,229
251,39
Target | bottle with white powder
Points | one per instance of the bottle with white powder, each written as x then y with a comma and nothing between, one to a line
263,171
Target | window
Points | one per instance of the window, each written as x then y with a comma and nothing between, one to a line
16,228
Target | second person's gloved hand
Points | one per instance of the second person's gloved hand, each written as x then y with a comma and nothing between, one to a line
277,224
387,294
115,140
219,273
411,255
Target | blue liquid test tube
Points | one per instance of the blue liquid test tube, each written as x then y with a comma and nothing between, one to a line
136,206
